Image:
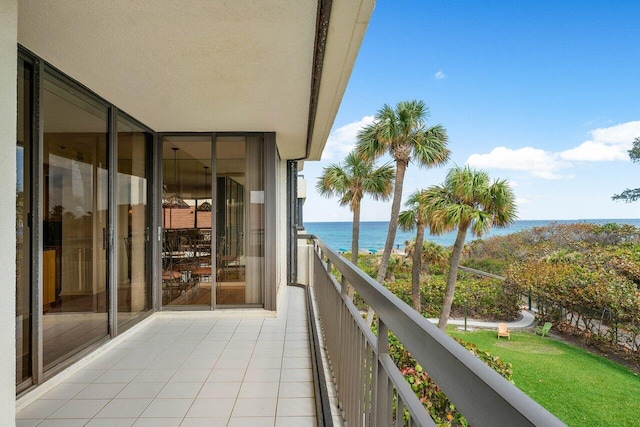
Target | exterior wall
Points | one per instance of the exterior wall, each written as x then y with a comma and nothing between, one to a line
8,116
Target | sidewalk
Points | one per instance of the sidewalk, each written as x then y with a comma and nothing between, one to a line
525,320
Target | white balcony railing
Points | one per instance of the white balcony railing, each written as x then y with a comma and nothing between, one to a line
371,390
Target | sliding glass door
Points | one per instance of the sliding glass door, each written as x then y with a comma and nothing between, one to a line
239,221
187,262
23,227
75,221
84,234
133,234
213,242
83,221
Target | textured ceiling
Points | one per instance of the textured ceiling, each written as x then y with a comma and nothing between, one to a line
195,65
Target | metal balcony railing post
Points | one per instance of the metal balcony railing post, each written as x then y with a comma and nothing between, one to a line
382,398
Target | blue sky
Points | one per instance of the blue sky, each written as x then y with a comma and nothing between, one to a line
545,94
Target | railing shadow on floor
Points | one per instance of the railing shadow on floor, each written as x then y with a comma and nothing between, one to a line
371,390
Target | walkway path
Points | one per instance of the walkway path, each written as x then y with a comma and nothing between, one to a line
525,320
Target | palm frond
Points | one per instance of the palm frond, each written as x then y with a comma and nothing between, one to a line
430,147
370,145
407,220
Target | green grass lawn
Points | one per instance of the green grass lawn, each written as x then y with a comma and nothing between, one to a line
578,387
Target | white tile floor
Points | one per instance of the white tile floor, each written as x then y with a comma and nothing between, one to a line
193,371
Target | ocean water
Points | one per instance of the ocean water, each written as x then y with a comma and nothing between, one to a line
373,234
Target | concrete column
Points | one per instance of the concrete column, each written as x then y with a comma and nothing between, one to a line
8,115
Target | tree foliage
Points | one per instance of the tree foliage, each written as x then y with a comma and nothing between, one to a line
351,181
403,134
585,278
435,402
631,194
415,217
467,200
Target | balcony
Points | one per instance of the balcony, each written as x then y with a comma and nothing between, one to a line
190,368
245,368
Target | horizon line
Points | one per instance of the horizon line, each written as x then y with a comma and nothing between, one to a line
519,219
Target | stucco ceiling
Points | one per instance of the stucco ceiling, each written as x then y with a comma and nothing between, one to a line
195,65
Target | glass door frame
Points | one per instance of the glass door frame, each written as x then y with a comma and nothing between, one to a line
158,223
114,328
270,156
32,176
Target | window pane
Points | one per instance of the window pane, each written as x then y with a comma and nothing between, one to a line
187,264
134,292
255,221
240,221
23,252
74,293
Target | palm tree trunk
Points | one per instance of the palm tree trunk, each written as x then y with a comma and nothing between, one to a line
456,254
401,168
355,237
416,268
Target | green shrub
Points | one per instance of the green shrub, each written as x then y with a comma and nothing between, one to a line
443,412
485,298
487,265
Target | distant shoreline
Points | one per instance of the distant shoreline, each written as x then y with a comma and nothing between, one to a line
373,234
588,220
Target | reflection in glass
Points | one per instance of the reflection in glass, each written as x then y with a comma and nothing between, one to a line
74,293
239,221
187,264
134,291
23,282
255,221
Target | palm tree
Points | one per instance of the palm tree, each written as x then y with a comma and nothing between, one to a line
435,254
397,264
467,200
351,181
402,133
415,217
432,254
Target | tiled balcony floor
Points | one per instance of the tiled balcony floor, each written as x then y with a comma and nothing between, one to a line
193,370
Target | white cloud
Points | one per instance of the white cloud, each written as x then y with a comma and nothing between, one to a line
591,151
439,75
342,140
537,162
623,134
608,144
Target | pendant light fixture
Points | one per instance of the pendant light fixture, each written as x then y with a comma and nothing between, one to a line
175,201
205,206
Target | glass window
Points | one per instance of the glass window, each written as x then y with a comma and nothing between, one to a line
23,231
240,221
134,292
187,264
74,258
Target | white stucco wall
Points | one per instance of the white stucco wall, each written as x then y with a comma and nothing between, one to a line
8,115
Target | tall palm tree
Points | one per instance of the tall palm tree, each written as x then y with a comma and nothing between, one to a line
467,200
351,181
415,217
402,132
